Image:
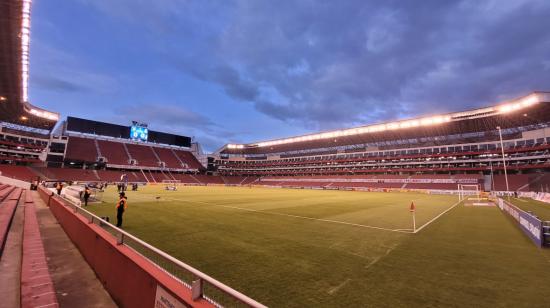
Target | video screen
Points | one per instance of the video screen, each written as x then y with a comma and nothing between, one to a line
139,133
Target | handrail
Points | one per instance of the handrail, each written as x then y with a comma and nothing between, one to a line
200,275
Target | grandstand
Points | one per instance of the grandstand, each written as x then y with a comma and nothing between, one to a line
420,153
429,153
269,241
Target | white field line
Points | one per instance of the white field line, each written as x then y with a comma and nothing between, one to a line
436,217
297,216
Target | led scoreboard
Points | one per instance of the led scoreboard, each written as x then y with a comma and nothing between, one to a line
139,131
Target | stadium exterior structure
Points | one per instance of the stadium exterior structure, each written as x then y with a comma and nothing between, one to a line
430,153
454,145
30,148
435,152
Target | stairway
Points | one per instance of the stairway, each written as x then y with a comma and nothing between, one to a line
487,182
40,174
145,176
152,177
96,174
405,184
128,152
532,183
156,155
181,162
97,148
171,175
199,182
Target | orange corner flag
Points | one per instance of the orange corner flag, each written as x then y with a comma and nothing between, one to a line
413,207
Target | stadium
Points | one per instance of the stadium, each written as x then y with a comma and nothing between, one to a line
441,210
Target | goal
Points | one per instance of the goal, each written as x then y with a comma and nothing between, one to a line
171,184
171,181
468,190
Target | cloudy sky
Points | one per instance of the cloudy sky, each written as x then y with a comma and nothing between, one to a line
243,71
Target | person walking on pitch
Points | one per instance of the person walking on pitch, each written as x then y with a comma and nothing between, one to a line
59,187
121,205
87,194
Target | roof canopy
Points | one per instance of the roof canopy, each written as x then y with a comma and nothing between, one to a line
14,63
529,110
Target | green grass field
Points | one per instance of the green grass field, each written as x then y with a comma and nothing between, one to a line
308,248
540,209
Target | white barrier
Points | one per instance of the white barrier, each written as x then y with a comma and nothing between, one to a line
540,196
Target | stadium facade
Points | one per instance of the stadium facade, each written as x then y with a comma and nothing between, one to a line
500,148
474,143
432,152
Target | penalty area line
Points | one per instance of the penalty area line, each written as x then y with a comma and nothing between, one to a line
301,217
436,217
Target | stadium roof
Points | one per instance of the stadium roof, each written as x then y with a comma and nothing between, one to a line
528,110
14,64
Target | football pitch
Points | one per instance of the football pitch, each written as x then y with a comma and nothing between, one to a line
309,248
538,208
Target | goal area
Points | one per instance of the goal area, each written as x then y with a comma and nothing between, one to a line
465,191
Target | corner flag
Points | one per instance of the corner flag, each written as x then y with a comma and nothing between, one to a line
413,207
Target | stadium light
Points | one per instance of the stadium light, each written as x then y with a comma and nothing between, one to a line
503,158
44,114
3,98
25,36
405,124
519,104
235,146
359,130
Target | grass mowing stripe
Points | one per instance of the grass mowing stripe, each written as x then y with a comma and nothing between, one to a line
535,207
467,257
297,216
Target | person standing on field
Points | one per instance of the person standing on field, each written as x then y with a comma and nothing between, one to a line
121,205
87,194
59,187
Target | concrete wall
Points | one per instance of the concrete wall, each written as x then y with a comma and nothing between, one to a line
129,278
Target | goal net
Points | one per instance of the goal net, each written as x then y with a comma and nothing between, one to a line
171,184
467,191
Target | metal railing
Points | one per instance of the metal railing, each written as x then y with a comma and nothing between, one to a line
200,284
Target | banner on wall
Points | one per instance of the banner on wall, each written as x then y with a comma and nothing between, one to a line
528,223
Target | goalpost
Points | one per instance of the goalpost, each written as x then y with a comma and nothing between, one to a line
171,184
467,190
171,181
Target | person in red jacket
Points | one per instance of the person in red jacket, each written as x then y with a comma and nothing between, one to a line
121,206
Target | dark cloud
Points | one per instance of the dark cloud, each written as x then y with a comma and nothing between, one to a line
165,114
326,64
52,83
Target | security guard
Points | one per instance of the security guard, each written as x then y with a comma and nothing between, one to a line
87,194
121,205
